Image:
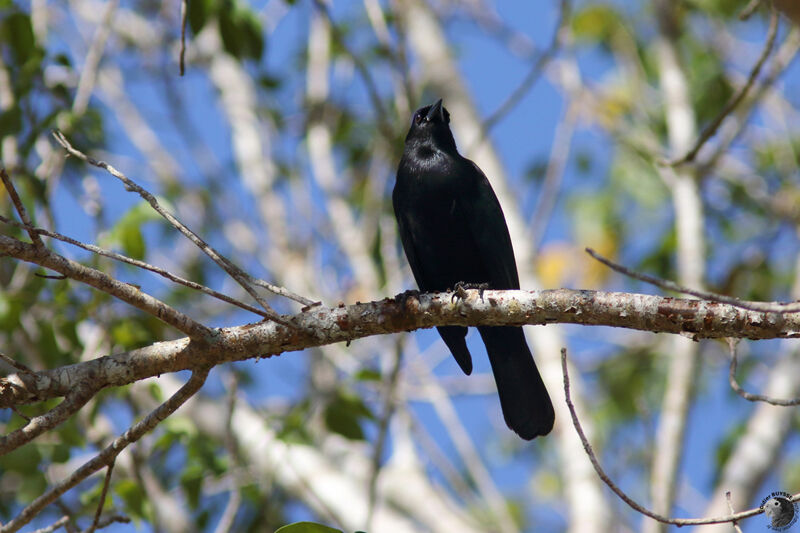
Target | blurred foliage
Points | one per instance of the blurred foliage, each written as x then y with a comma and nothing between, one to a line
613,200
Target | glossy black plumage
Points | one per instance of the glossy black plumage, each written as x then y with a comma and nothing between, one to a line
453,230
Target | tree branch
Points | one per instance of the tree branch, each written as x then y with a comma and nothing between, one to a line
232,270
76,398
110,452
323,325
736,99
769,307
137,263
19,206
747,395
627,499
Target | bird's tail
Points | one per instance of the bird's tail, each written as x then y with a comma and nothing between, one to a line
453,337
526,405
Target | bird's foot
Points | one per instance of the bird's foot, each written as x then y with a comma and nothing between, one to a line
460,290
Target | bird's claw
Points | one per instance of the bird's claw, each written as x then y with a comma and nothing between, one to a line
460,290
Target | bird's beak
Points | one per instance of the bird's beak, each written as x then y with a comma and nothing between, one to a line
436,111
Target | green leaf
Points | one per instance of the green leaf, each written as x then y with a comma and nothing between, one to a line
252,34
133,496
24,460
228,32
10,121
192,482
197,14
127,234
596,23
17,31
60,453
307,527
129,334
343,415
241,32
368,374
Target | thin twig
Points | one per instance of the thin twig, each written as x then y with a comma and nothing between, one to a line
70,525
61,522
732,343
21,414
783,58
749,9
106,483
280,291
381,116
94,55
730,506
126,292
389,405
533,74
734,101
76,399
19,206
235,272
110,452
735,517
137,263
113,519
182,57
553,176
764,307
16,364
231,447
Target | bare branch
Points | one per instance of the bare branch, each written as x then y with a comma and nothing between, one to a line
768,307
101,503
129,294
743,393
624,497
736,99
730,506
73,401
107,521
372,90
749,9
232,448
15,364
383,431
137,263
61,522
19,206
533,74
235,272
109,453
182,57
88,77
321,325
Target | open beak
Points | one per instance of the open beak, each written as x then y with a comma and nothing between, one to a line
435,112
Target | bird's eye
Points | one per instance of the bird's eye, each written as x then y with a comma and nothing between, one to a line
417,118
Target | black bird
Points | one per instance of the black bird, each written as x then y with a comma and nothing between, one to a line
453,231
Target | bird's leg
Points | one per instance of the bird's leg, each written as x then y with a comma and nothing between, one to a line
460,289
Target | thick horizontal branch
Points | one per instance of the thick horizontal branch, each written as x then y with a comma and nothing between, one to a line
319,326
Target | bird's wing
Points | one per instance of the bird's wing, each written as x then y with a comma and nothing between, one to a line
407,238
490,232
453,336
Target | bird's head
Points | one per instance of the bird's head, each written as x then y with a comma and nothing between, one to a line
430,128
